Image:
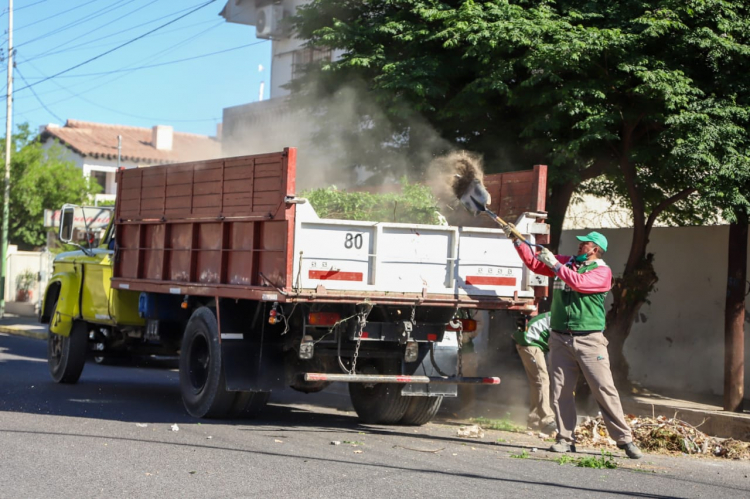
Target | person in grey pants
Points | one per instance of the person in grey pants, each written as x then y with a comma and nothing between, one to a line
577,343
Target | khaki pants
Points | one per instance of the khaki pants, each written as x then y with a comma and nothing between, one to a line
571,355
540,412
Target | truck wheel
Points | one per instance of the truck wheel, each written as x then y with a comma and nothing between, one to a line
66,355
202,384
248,404
421,410
379,403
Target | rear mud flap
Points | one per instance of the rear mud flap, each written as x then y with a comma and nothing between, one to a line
446,357
250,366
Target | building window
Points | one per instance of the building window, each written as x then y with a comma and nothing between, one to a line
101,179
306,56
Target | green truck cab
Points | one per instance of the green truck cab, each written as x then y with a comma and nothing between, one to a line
84,314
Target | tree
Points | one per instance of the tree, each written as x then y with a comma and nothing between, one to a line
648,97
40,179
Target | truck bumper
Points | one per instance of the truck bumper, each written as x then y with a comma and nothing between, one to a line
401,379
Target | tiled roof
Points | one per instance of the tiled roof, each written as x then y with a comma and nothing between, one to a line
99,140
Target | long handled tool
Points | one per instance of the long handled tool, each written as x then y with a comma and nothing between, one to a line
470,191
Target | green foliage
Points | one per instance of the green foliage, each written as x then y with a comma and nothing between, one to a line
25,280
565,459
604,462
498,424
413,204
652,93
522,455
40,179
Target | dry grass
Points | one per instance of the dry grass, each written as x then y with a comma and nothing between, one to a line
664,435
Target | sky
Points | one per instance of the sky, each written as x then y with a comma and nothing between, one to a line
69,66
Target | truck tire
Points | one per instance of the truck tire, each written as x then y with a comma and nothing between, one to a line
380,403
421,410
202,382
248,405
66,355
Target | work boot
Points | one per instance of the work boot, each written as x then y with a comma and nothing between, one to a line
549,429
631,450
562,446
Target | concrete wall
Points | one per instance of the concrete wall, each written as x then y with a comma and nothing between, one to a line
40,264
678,341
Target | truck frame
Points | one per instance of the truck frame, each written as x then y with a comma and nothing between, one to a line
221,263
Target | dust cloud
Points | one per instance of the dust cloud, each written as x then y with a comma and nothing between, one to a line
344,140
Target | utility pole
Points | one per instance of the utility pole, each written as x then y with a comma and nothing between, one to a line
8,140
734,315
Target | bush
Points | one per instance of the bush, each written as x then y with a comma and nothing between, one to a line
414,204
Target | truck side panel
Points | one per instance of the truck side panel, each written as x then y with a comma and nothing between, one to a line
382,257
215,225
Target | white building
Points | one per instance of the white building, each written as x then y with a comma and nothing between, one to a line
263,126
96,149
270,20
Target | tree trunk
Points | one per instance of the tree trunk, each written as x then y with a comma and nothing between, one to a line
734,316
557,206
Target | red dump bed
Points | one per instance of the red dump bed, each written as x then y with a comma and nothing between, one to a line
206,228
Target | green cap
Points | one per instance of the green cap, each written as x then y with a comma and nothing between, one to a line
595,238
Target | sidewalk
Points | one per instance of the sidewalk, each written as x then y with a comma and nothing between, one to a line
23,326
711,418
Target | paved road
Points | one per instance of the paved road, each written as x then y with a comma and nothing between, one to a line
111,435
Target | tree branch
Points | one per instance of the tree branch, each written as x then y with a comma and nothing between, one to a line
594,170
665,204
656,127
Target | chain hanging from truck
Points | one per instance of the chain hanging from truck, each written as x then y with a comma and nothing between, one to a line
361,316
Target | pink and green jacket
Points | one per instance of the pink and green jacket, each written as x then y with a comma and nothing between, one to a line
579,290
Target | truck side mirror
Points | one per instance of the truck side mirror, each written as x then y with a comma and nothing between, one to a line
67,215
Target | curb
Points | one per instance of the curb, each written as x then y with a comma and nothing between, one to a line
24,331
715,423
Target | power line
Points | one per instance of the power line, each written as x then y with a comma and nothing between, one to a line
75,23
27,6
79,96
16,9
118,47
113,71
53,15
102,26
84,45
37,97
127,68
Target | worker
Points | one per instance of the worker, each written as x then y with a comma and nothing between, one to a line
531,343
577,343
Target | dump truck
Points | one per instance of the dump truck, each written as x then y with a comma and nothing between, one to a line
220,262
